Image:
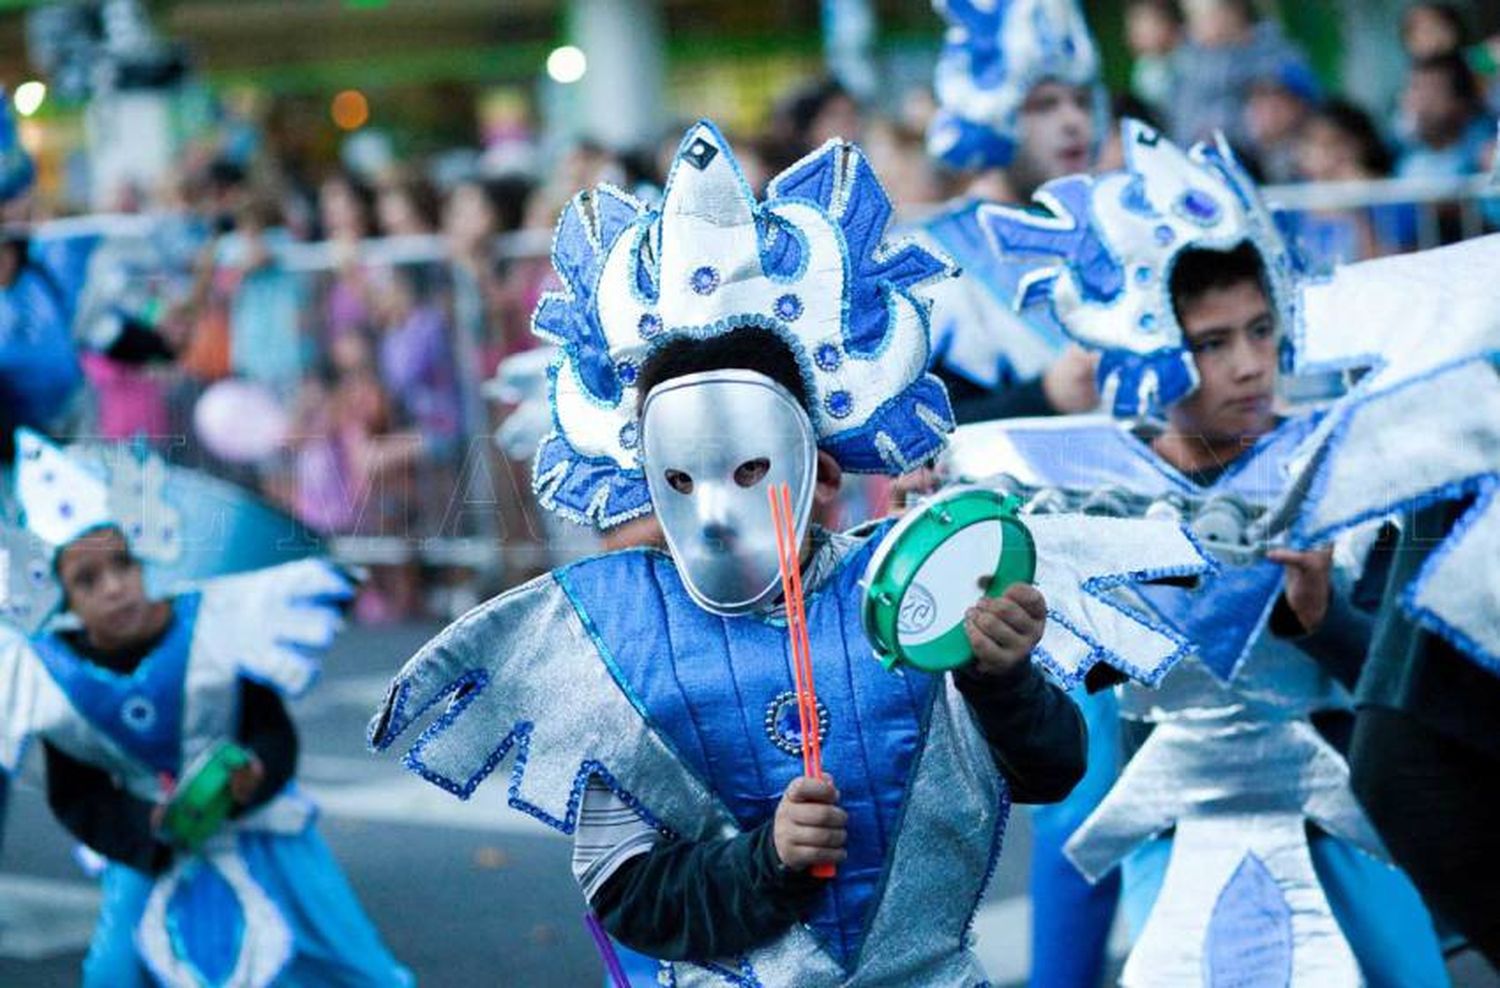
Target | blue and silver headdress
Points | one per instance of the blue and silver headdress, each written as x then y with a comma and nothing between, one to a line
809,264
1096,258
994,53
64,495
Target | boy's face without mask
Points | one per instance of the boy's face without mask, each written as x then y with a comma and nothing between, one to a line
105,589
1232,334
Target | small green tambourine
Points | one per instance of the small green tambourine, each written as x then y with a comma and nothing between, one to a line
203,801
945,554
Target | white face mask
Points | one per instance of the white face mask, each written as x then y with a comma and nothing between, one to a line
712,445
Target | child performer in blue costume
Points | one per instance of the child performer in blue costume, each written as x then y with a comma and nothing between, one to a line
1241,839
1021,104
708,350
127,705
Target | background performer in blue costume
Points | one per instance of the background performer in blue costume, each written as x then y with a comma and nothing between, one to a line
139,699
1174,269
1020,104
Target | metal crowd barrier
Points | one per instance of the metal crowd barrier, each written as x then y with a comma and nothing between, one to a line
478,487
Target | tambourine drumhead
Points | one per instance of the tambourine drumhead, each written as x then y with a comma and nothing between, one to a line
203,800
930,569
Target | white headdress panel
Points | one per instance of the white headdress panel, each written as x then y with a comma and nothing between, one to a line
1422,427
1097,258
809,264
994,53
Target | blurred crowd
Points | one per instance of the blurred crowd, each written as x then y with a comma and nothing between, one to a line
359,361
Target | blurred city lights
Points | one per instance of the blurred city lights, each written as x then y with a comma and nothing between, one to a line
567,64
29,96
350,110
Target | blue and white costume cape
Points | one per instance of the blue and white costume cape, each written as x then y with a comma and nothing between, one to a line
1233,762
234,913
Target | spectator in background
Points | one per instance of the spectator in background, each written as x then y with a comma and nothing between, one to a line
1229,46
406,205
265,331
1277,109
353,468
1450,134
476,212
416,361
39,369
1432,29
346,210
899,157
812,115
1153,31
1340,143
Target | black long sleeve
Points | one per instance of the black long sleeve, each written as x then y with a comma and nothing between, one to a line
1341,642
701,899
266,729
1037,735
101,814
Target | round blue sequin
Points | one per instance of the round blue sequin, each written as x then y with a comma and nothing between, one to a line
1199,207
1148,322
627,372
138,713
788,307
649,325
1143,275
827,357
705,280
839,403
783,723
1164,235
629,435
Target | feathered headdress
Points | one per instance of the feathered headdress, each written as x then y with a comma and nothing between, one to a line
809,264
1095,258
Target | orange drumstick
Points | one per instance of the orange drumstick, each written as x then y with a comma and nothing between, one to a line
798,603
807,701
798,670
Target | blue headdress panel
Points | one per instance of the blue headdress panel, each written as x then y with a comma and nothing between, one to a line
17,171
810,264
994,52
1095,257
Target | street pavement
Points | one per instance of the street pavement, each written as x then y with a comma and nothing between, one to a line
466,893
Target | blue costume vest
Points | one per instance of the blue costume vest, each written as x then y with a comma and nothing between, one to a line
1225,613
720,691
141,712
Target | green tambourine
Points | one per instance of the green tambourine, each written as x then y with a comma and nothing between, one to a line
939,559
203,801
